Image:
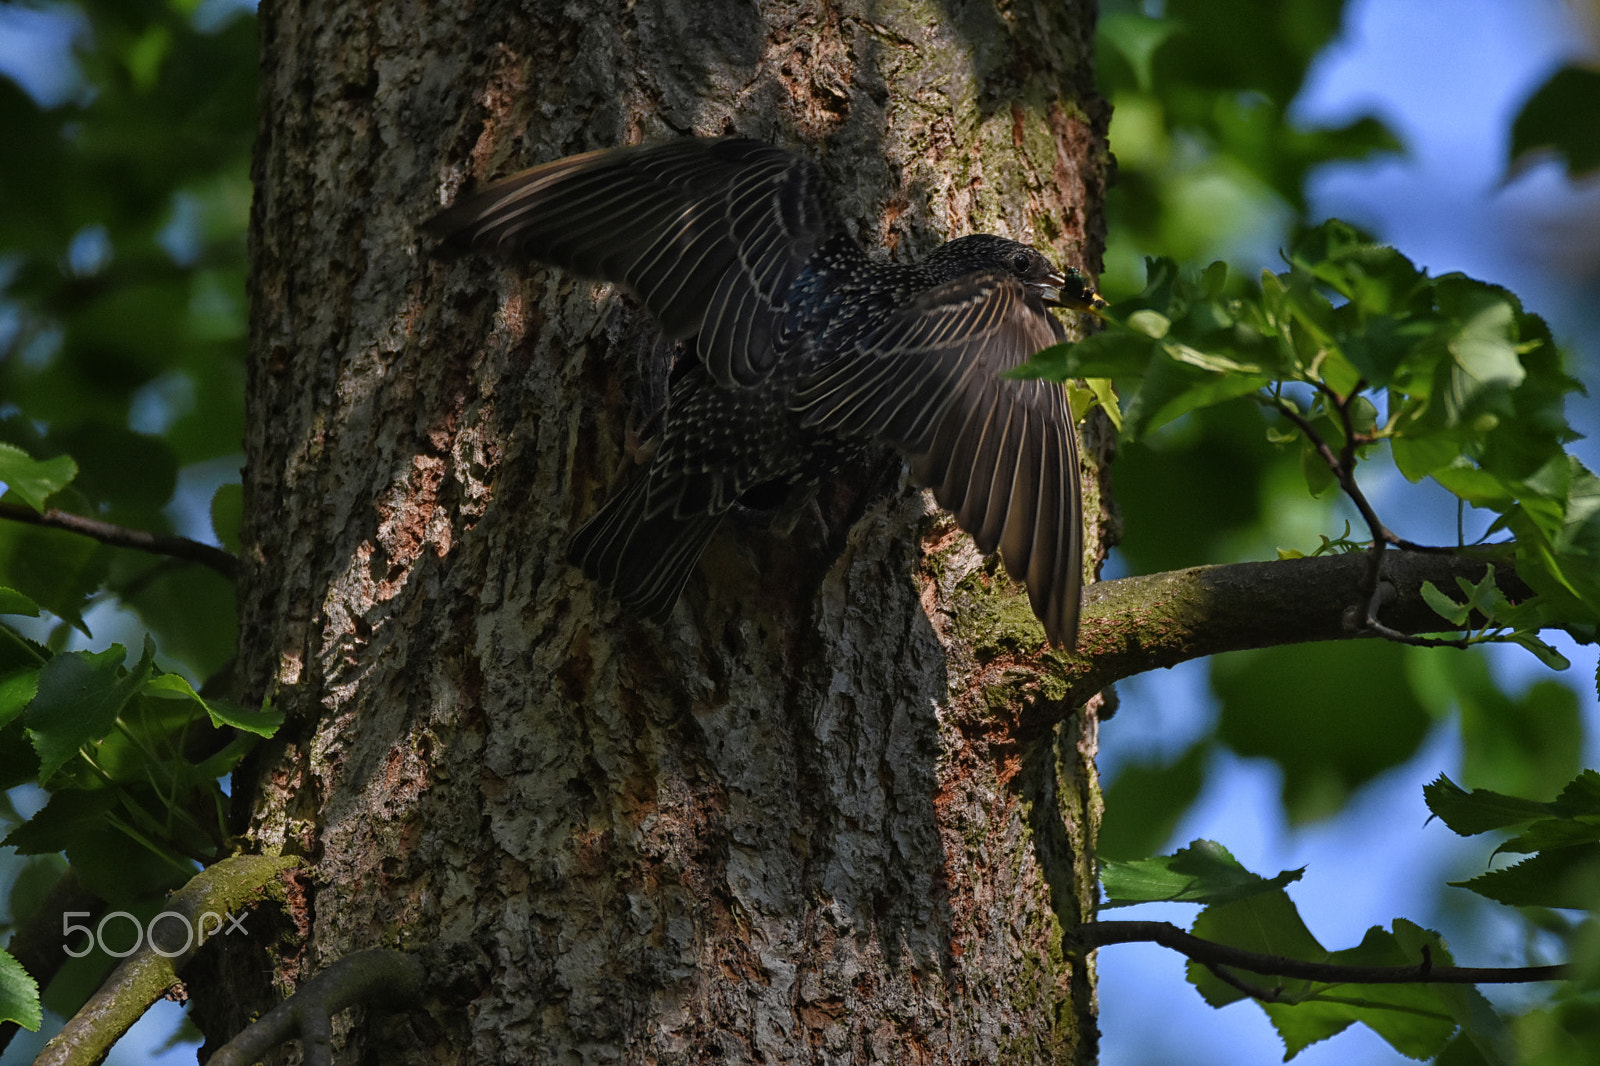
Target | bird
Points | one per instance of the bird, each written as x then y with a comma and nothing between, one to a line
806,353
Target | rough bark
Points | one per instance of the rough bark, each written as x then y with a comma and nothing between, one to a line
793,824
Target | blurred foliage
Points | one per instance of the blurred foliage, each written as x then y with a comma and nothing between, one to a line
1208,162
1561,119
122,328
122,313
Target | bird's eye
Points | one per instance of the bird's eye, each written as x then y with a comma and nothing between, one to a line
1022,262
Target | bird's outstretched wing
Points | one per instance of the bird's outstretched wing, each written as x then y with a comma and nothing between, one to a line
1001,455
708,234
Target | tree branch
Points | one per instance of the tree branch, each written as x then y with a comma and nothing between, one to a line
224,563
1136,624
1212,955
377,976
36,943
203,905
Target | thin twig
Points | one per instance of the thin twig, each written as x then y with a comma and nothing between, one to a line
1228,977
1343,467
1381,630
224,563
1211,954
198,910
1345,475
378,977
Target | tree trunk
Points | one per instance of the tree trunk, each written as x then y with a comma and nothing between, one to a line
794,824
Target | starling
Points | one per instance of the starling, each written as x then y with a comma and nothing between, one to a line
808,353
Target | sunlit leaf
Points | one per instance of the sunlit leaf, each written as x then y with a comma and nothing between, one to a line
34,481
262,722
19,995
80,695
1203,872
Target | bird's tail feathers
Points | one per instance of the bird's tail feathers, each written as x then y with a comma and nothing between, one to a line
641,554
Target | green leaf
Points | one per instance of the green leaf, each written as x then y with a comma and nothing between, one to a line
120,469
80,695
1112,353
1304,1022
14,602
1417,457
1479,811
1204,872
1549,834
1521,745
1546,654
62,821
1567,1033
17,689
123,869
1132,39
19,995
35,480
1451,611
1412,1018
19,763
193,608
1152,324
1314,468
40,875
1561,118
1379,345
1143,804
1484,345
57,570
1268,924
262,723
227,514
1581,796
1172,389
1561,877
1374,277
1481,1030
1091,393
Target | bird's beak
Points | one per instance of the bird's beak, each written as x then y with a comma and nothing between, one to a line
1074,293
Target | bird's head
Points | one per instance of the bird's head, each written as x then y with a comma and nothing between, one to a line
1067,288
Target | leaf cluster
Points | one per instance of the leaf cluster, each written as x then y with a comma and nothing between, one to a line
122,320
1244,910
131,758
122,263
1354,349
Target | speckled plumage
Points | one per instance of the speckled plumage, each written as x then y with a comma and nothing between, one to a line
809,352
